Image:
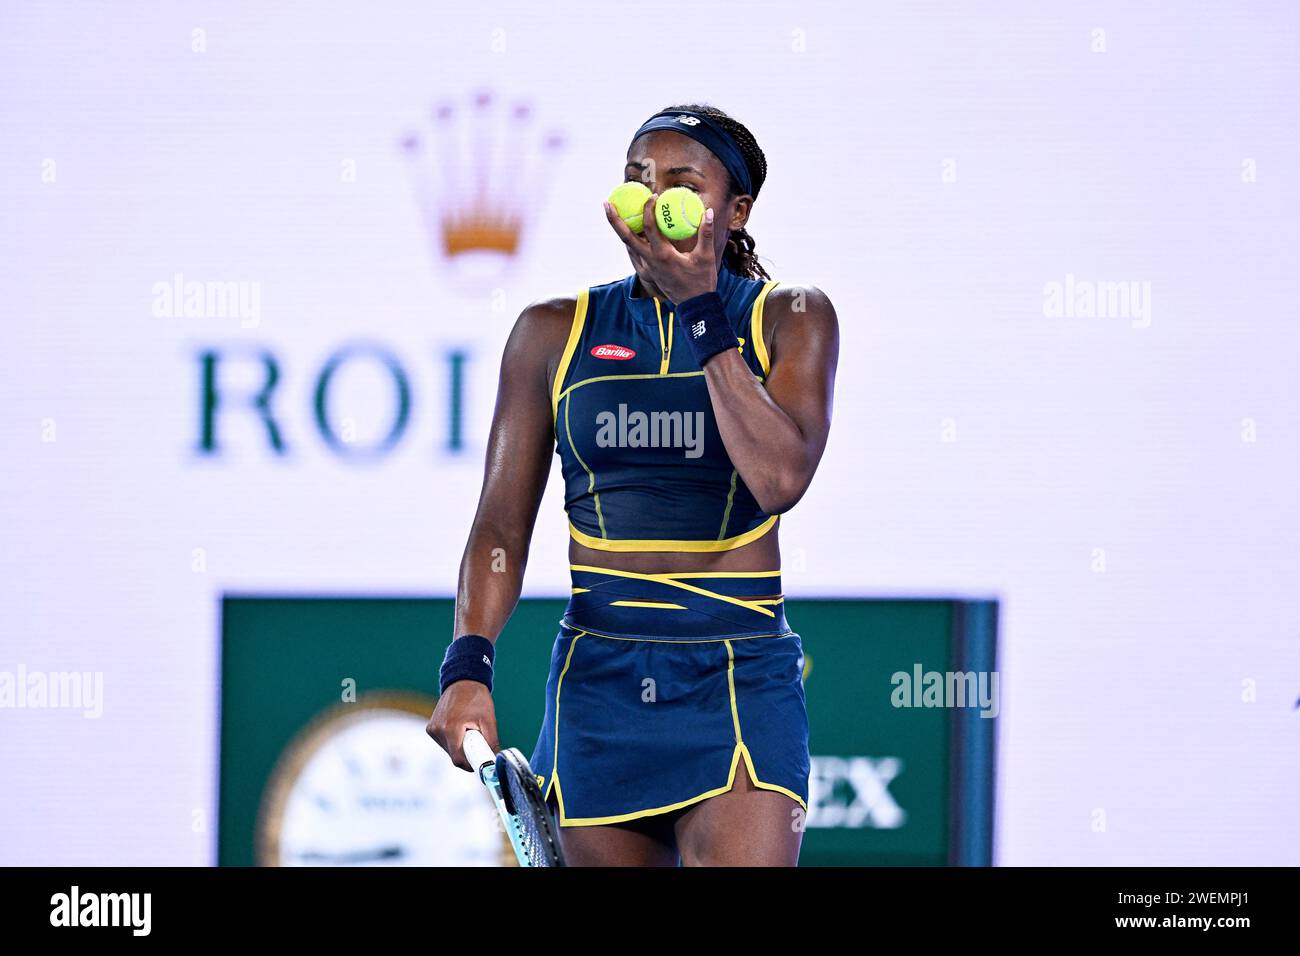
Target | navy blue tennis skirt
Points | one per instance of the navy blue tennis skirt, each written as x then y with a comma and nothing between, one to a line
663,687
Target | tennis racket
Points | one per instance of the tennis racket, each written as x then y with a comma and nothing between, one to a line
518,799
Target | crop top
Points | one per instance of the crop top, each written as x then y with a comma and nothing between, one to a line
643,462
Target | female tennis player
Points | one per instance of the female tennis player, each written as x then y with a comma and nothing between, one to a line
689,403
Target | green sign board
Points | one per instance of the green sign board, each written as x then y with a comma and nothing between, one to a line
902,771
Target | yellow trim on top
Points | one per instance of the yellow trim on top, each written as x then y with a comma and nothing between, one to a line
671,326
659,604
607,378
702,640
591,475
672,582
696,574
756,327
575,333
578,590
639,544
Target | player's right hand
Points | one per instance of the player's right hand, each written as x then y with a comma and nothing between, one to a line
464,705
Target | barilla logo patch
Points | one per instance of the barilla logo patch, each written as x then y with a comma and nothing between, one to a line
620,352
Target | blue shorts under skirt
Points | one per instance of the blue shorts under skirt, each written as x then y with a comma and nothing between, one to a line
643,725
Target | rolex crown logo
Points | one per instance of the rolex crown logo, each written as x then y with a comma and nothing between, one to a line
477,172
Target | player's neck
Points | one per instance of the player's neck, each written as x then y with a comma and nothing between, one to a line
642,289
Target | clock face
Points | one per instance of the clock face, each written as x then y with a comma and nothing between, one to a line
364,785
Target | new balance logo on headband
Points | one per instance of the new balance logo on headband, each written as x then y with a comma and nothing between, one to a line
689,120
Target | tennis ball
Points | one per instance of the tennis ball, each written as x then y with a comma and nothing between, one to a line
679,212
629,201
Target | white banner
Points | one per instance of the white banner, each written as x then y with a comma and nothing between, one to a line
259,264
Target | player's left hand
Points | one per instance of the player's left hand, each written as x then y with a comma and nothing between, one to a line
681,269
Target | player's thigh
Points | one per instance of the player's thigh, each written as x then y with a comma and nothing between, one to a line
648,842
746,826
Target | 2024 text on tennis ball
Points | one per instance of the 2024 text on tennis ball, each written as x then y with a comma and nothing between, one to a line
679,212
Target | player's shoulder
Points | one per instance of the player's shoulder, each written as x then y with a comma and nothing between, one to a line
546,319
794,304
550,310
796,298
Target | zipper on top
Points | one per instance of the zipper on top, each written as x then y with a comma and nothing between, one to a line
665,343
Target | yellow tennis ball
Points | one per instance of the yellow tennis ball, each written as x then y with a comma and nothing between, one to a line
629,201
679,212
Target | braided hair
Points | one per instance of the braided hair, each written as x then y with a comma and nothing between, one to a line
739,254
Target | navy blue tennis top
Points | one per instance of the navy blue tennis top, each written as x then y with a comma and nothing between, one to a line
643,462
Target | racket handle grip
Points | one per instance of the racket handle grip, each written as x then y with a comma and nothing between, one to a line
477,751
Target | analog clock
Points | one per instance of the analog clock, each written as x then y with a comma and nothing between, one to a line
363,785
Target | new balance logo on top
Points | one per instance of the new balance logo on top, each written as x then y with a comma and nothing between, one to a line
697,329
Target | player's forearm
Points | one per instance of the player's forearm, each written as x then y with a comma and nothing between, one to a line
491,579
764,443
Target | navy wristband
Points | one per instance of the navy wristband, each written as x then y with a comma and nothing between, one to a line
468,657
704,320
